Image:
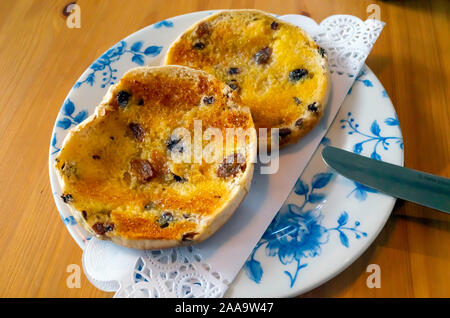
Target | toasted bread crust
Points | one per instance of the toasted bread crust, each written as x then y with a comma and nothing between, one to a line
276,68
116,169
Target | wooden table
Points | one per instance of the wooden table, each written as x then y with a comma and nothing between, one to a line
41,58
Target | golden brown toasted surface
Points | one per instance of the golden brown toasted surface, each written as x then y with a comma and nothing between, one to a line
276,68
117,168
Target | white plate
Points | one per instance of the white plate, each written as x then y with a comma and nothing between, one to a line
327,221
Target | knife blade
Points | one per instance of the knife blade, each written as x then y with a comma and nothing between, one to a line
411,185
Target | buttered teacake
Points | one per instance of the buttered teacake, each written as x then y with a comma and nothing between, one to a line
130,172
276,68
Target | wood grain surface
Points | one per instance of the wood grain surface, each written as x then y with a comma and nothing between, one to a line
41,58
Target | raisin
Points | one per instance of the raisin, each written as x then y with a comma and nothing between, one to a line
69,169
322,52
263,55
164,225
297,100
164,219
137,130
178,178
231,165
199,45
111,137
142,169
202,30
297,74
102,228
148,206
122,98
299,122
274,25
84,213
141,102
233,85
313,107
284,132
173,144
187,237
233,70
67,198
208,100
96,157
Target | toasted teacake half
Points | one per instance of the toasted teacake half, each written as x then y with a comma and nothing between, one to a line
276,67
131,174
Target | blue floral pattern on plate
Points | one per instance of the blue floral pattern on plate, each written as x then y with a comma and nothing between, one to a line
374,136
296,234
163,23
105,62
359,78
68,110
69,119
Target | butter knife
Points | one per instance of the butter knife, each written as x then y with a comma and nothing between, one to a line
411,185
